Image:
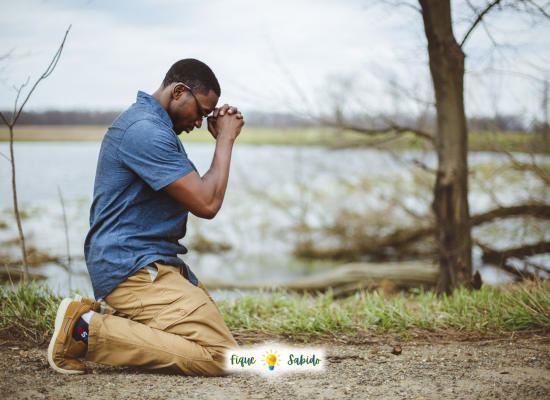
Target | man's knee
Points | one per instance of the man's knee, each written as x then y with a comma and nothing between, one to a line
216,367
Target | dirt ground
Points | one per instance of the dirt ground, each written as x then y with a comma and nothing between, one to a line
430,370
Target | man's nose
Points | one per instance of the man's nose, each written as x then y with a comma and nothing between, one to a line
198,123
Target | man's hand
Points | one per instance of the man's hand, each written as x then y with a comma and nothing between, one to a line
232,126
204,196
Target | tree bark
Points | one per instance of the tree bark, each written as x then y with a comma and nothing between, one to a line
451,190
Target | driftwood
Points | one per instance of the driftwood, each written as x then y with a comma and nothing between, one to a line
346,278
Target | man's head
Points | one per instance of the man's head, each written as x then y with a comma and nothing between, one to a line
189,91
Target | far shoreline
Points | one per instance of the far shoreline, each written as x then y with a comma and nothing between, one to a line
293,136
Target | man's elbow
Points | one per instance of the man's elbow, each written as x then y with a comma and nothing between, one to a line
206,212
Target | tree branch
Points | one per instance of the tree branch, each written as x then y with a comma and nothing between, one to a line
536,210
288,74
47,73
478,20
17,99
4,119
500,257
5,156
543,12
10,125
392,128
401,238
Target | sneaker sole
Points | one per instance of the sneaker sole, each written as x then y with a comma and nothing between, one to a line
58,324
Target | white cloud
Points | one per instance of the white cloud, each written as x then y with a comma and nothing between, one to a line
118,47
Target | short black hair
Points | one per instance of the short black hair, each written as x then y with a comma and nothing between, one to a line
195,74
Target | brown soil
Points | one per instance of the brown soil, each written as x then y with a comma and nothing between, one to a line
433,367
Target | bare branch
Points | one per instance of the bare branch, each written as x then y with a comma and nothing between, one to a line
15,116
499,257
504,72
402,4
423,166
47,73
542,10
542,173
536,210
371,144
419,132
66,225
393,128
4,118
478,20
17,99
5,156
290,77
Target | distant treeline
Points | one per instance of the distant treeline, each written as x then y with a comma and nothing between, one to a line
54,117
258,118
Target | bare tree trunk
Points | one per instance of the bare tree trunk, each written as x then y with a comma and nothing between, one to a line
16,212
451,191
13,120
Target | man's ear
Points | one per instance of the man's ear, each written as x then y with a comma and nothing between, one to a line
178,90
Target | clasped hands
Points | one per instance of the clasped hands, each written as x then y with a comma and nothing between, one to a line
225,120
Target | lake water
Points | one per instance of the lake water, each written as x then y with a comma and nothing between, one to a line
270,189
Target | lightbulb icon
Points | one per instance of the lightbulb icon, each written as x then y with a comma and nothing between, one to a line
271,360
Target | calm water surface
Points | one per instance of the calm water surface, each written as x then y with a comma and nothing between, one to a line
270,188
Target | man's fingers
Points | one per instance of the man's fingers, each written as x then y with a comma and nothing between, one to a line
232,110
211,127
224,109
239,115
216,112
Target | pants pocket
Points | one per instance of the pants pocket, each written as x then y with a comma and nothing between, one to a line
194,317
124,301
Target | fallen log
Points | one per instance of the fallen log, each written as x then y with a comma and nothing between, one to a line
346,278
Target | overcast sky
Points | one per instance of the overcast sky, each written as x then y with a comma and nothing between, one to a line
118,47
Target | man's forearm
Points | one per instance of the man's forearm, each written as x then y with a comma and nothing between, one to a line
216,178
203,197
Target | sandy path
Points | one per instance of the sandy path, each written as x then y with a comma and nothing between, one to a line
455,371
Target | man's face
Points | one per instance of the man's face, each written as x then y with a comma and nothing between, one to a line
184,111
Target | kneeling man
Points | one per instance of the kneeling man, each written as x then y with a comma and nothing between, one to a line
145,186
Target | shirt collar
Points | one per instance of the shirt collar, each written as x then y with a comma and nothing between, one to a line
152,103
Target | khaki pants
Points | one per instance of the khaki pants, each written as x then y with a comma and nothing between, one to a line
169,323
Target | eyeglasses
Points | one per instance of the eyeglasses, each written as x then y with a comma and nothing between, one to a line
203,113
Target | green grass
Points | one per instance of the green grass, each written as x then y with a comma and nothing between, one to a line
491,309
30,310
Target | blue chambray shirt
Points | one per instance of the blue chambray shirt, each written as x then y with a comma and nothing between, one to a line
132,221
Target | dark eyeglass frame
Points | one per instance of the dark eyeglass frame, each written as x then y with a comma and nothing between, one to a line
204,114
